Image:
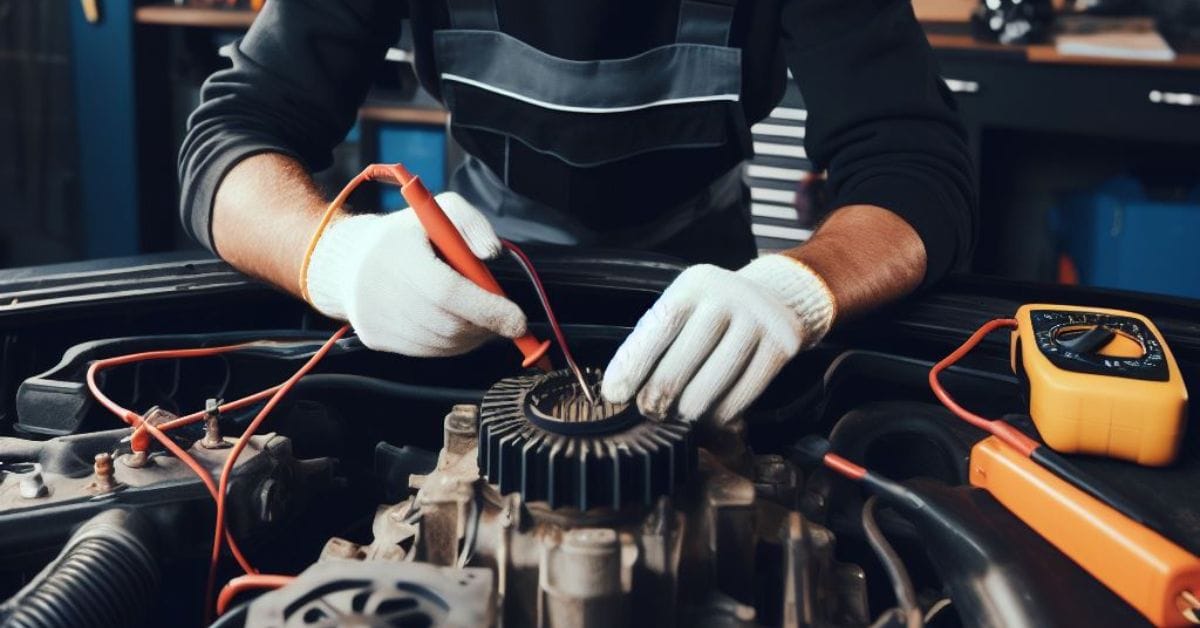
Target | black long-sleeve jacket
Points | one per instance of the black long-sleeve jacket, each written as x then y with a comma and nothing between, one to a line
880,119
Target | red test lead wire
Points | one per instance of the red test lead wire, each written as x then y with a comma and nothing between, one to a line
844,467
1005,432
240,445
1024,445
432,218
249,582
217,491
140,426
531,272
454,249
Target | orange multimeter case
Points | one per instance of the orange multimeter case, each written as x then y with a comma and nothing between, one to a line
1100,382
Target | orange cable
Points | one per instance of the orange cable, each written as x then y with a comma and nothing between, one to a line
394,173
240,445
844,466
136,420
1005,432
241,584
217,492
139,440
326,218
230,406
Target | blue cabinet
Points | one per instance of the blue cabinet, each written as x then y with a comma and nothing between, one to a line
1118,237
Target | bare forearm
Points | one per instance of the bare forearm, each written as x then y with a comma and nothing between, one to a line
265,212
867,255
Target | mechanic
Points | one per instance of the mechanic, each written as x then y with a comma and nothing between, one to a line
599,123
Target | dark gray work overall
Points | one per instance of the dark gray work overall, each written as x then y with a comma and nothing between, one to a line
682,96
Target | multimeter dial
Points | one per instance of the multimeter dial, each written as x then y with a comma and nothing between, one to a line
1074,340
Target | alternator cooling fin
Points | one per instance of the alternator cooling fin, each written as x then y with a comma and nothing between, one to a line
539,438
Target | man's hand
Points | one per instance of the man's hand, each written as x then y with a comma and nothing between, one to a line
716,338
380,273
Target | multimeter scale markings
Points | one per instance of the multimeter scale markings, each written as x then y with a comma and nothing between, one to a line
1053,328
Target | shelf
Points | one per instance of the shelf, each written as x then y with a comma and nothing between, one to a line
171,15
956,36
1050,54
403,115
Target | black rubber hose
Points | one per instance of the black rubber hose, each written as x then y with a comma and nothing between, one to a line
381,386
105,576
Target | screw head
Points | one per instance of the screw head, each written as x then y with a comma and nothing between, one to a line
103,464
33,486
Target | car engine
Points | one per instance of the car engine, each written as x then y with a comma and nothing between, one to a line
608,520
391,491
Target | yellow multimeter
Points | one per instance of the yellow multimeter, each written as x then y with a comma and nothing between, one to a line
1100,382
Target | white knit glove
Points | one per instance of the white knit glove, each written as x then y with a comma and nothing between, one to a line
716,338
380,273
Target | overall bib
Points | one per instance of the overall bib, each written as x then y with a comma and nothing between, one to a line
506,96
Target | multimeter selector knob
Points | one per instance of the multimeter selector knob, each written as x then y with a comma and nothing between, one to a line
1086,341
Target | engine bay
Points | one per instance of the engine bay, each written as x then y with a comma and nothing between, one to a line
393,491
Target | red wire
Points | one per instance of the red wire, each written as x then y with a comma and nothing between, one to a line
130,358
394,174
136,421
139,440
536,280
241,584
196,417
240,445
844,466
1005,432
1000,429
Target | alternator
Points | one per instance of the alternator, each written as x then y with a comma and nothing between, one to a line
540,436
614,520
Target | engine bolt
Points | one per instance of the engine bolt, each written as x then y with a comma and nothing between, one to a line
102,479
461,429
136,459
212,426
140,458
33,486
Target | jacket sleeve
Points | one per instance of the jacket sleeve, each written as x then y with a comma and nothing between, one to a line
881,120
297,80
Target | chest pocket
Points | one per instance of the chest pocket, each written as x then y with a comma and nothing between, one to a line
588,113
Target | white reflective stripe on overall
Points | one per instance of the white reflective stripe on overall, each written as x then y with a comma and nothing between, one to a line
700,67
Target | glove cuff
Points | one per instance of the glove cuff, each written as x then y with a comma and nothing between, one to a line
335,260
800,288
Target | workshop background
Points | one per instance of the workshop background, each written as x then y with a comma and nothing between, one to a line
1083,118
